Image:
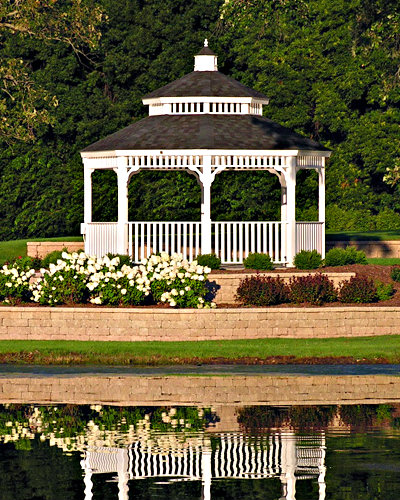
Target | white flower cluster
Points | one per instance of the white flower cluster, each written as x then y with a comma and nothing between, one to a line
103,277
13,281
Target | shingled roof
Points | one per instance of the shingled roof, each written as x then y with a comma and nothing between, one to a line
205,131
205,84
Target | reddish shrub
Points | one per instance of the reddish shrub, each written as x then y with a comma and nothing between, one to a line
262,291
314,289
359,289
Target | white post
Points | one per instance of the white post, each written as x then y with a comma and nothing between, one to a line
87,480
206,473
122,238
206,180
288,463
123,474
87,201
321,204
283,202
291,209
87,193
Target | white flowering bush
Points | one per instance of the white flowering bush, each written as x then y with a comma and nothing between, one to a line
80,278
175,281
14,284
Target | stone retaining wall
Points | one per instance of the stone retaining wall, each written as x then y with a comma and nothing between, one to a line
41,248
233,390
152,324
372,249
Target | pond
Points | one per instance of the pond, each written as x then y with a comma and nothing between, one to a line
269,452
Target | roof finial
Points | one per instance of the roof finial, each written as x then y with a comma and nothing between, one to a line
205,42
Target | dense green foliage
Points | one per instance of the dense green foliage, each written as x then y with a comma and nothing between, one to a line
259,261
345,257
210,260
384,291
308,259
395,274
330,70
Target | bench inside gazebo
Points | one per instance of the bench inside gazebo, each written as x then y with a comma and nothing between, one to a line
206,123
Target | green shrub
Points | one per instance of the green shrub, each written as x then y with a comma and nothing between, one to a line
344,257
209,260
52,258
26,263
260,261
384,291
313,289
358,290
262,291
308,259
395,274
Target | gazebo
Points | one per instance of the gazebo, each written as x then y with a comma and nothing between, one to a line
205,123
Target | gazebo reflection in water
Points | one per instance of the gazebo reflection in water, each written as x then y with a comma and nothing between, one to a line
282,454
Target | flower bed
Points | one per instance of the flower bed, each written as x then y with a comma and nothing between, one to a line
80,278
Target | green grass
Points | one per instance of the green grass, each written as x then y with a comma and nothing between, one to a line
384,261
15,248
363,235
372,349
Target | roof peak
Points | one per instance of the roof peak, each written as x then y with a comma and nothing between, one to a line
205,60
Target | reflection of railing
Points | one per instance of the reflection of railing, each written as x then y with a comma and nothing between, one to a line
236,456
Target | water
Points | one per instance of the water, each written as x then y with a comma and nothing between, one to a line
93,452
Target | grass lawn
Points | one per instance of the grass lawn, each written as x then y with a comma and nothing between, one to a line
364,349
15,248
366,236
391,261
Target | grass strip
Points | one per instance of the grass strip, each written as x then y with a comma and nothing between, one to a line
384,261
15,248
363,235
383,349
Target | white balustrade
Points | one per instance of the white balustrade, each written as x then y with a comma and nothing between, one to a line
146,238
309,236
233,241
101,238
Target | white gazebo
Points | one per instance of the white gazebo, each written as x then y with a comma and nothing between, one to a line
205,123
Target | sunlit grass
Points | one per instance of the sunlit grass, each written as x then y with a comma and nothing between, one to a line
15,248
161,353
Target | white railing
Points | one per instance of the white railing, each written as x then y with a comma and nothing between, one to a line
101,238
146,238
233,241
309,236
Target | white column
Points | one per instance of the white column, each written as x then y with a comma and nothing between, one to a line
291,209
206,473
87,202
123,474
87,192
288,464
283,200
122,173
206,180
87,480
321,204
322,471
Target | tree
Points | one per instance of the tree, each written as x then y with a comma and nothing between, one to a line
25,105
